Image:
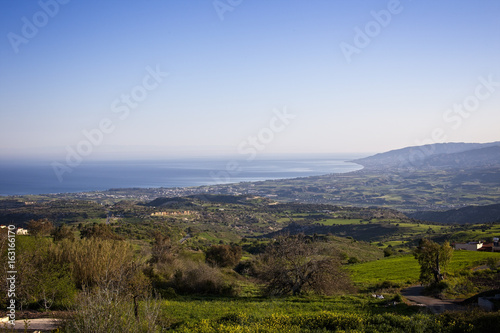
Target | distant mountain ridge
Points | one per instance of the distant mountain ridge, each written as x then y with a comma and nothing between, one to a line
436,156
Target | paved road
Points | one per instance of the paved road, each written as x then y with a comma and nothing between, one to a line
414,295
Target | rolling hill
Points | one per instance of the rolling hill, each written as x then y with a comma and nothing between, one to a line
470,214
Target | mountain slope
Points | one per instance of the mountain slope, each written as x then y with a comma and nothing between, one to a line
434,155
470,214
483,157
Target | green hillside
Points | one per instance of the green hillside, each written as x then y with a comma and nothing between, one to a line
404,270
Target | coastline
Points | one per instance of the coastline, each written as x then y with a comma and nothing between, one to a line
29,180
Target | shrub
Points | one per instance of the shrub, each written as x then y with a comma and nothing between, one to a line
385,286
42,281
397,298
63,232
492,263
200,278
248,267
104,310
353,260
223,255
98,262
102,231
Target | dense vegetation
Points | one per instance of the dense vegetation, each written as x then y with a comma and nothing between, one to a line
238,263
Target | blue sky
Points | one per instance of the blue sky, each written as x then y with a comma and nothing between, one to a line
426,73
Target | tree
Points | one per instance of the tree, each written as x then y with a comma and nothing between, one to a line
295,264
102,231
388,251
40,227
63,232
163,250
223,255
433,259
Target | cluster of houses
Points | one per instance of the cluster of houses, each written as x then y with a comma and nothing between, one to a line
479,246
186,212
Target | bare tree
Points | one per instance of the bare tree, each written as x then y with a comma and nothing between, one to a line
295,264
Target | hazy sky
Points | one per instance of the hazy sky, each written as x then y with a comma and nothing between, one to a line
245,76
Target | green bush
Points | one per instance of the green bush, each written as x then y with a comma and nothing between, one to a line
353,260
42,282
223,255
199,278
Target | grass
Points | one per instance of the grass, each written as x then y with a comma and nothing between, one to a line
477,233
353,313
469,259
405,269
400,270
393,243
194,309
339,221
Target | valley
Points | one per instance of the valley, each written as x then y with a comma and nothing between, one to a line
208,246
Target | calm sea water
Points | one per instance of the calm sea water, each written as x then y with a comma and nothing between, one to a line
40,178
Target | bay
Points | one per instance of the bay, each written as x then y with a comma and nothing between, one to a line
18,178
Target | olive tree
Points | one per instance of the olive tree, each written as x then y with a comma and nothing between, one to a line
433,259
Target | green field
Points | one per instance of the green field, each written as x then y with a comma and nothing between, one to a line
360,313
292,314
405,269
340,221
401,270
207,308
477,232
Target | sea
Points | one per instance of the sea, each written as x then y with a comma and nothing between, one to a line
23,178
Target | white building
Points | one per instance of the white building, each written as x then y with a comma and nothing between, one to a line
21,231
